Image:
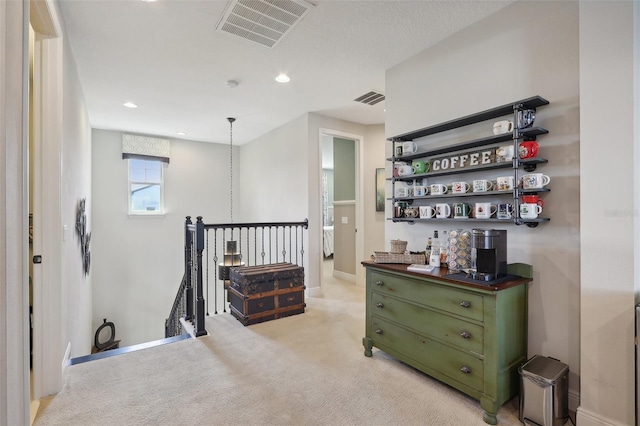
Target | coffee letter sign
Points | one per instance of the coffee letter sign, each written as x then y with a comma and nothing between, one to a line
463,161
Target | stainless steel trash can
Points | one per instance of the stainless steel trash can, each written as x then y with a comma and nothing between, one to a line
544,392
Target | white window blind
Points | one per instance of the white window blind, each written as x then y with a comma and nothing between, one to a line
145,148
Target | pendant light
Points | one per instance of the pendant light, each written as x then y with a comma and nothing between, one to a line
232,257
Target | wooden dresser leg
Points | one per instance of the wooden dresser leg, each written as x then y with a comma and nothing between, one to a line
490,408
489,418
368,344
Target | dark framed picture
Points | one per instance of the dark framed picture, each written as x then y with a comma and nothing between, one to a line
380,190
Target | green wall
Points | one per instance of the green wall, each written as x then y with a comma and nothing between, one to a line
344,160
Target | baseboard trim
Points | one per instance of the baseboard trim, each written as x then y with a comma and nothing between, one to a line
344,276
67,357
574,400
127,349
586,417
188,327
315,292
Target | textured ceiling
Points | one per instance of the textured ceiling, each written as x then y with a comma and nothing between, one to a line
167,57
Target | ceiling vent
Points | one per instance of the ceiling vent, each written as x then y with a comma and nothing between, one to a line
370,98
264,22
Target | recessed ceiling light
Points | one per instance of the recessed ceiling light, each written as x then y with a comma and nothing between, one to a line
181,134
148,1
283,78
130,105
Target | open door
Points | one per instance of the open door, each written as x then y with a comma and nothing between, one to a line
45,164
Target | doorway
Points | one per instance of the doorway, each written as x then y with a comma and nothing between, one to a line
45,141
341,214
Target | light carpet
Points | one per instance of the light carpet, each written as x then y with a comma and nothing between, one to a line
307,369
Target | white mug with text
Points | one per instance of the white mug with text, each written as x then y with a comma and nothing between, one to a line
443,210
460,187
427,212
529,211
482,185
438,189
501,127
484,210
535,180
505,183
409,148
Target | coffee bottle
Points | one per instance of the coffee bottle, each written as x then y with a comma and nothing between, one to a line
434,258
444,248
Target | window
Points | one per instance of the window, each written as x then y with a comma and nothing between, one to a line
146,187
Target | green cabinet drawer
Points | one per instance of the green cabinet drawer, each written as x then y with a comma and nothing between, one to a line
459,302
457,365
466,335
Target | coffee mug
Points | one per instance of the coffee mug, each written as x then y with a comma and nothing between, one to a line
529,211
437,189
401,191
396,167
419,191
533,199
484,210
411,212
398,150
505,183
461,210
460,187
405,170
504,153
501,127
398,209
482,185
526,118
427,212
421,166
505,211
535,180
528,149
443,210
409,148
410,191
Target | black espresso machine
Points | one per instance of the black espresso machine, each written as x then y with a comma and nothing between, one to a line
489,254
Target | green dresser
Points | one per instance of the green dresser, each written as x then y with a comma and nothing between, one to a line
472,337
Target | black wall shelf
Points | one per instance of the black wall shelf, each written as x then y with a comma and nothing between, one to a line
529,103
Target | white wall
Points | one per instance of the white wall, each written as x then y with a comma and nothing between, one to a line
608,154
288,165
374,221
525,49
274,176
75,185
14,299
137,262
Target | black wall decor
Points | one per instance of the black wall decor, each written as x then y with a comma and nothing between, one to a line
85,237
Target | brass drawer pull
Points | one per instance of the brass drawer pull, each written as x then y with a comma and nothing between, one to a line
465,335
465,370
379,283
378,331
465,304
380,305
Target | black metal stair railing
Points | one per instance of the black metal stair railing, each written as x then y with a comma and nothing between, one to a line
172,325
223,246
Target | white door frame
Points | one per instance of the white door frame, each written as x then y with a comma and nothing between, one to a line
14,270
48,350
358,139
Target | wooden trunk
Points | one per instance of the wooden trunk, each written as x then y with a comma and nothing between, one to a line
266,292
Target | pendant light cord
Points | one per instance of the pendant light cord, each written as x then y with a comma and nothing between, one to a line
231,120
